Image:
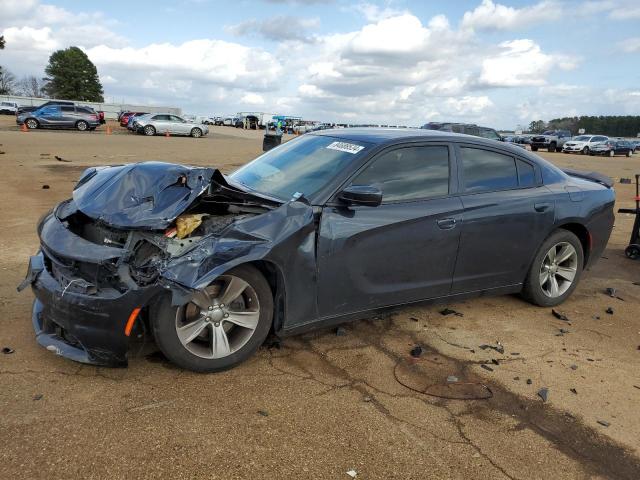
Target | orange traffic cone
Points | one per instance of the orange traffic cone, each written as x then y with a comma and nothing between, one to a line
166,134
108,132
24,127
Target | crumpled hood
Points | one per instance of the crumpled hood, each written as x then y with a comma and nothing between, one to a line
147,195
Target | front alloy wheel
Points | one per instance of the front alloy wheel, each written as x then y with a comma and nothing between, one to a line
220,326
149,130
32,124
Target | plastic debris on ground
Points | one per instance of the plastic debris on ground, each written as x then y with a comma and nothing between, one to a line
7,350
448,311
352,473
543,393
560,316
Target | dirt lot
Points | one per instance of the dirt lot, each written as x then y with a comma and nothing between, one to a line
322,404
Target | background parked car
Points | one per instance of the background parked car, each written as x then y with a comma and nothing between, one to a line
552,140
466,128
583,143
25,109
8,108
163,123
60,116
124,119
612,148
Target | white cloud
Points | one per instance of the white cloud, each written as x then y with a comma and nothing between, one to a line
630,45
520,63
495,16
278,28
252,99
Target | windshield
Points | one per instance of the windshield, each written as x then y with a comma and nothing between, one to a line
583,138
303,165
549,132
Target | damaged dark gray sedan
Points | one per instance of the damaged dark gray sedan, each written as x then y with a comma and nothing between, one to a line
328,227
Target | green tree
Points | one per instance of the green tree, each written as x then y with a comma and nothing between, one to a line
71,75
2,42
537,126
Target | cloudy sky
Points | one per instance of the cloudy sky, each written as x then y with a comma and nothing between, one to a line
499,63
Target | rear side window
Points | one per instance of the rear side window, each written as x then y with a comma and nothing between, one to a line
161,117
485,171
410,173
67,109
598,139
526,174
82,110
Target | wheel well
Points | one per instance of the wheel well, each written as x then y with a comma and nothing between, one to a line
583,235
275,279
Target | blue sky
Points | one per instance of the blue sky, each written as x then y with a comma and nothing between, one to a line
500,63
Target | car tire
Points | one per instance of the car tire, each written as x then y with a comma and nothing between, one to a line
149,131
552,147
612,153
629,153
632,252
196,132
202,338
585,151
534,149
544,286
31,123
558,149
82,126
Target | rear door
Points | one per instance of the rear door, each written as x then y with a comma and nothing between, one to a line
507,214
401,251
68,116
178,125
162,123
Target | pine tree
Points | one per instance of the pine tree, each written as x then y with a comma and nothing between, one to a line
72,76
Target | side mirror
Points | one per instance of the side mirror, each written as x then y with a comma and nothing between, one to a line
361,195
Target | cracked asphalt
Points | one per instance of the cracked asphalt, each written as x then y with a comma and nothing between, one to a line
322,404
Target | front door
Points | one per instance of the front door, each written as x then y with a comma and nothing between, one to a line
401,251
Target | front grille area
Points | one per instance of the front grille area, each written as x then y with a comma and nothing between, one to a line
82,277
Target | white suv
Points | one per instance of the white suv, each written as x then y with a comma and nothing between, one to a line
583,143
8,108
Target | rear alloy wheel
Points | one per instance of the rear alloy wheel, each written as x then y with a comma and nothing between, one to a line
611,153
82,125
221,326
149,131
31,123
585,151
196,132
555,271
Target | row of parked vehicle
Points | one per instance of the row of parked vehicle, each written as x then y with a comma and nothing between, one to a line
161,124
59,114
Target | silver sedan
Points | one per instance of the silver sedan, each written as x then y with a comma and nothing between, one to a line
166,123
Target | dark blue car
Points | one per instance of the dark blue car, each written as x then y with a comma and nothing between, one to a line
332,226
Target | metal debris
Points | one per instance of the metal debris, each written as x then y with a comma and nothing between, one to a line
414,319
604,423
448,311
560,316
498,347
612,293
60,159
416,352
263,413
543,393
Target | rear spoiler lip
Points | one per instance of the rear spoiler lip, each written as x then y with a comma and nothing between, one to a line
592,176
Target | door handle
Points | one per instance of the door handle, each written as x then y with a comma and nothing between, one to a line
541,207
446,223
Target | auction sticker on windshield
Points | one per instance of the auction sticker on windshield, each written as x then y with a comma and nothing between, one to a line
345,147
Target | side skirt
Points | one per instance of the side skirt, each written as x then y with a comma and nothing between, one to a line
326,322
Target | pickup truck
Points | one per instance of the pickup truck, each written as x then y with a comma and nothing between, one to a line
8,108
552,140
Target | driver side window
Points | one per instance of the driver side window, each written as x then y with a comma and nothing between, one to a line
410,173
